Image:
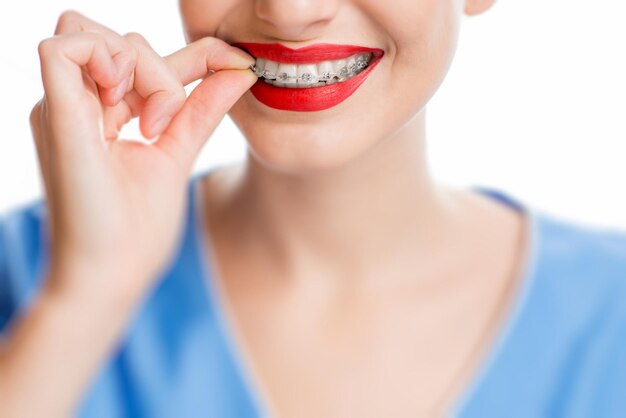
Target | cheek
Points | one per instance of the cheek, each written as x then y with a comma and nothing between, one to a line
424,35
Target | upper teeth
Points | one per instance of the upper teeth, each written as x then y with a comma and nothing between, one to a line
311,75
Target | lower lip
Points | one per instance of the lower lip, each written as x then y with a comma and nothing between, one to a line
310,99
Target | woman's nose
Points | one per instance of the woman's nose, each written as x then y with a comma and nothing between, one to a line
296,19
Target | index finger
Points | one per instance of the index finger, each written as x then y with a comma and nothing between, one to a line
194,61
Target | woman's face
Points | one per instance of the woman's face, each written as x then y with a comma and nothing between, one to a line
417,37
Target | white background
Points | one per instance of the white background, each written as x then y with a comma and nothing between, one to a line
534,104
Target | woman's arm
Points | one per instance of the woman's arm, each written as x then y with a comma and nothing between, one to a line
55,348
115,208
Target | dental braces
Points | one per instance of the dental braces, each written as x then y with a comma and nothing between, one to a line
360,64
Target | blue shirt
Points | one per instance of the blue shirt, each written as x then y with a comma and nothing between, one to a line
561,352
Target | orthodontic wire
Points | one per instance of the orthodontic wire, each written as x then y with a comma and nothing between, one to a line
326,76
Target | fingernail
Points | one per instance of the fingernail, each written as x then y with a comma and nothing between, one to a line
160,125
120,90
123,63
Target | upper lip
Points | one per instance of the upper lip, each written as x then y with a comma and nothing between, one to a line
305,55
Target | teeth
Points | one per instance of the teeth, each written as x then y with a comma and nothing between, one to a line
352,67
339,67
362,60
259,66
286,75
307,75
325,70
270,70
311,75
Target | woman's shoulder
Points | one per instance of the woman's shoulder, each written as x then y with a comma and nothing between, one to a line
579,279
564,344
572,250
569,253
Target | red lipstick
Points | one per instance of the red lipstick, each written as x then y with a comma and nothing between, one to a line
314,98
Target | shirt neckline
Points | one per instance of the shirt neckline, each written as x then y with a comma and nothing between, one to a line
503,335
517,307
205,256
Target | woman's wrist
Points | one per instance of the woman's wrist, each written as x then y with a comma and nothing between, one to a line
104,286
79,329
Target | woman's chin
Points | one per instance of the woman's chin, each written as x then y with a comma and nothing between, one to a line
300,156
299,146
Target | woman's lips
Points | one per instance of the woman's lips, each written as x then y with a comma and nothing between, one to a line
313,98
306,55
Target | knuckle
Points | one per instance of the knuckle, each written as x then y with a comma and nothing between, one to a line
69,20
35,114
53,46
35,119
209,42
35,109
46,47
135,37
214,48
94,36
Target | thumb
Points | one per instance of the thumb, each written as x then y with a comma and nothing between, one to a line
202,112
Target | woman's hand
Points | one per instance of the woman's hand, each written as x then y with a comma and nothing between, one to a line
116,208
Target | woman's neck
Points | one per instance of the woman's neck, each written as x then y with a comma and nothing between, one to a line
354,221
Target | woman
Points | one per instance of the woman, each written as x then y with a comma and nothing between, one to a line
327,275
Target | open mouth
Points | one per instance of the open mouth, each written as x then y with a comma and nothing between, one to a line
311,75
312,78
